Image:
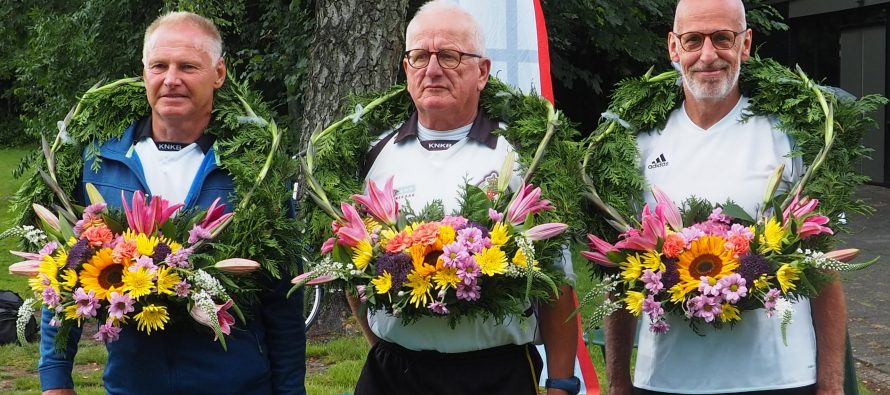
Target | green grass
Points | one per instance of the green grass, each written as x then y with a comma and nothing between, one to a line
333,365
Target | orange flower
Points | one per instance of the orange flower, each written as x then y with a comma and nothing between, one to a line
124,250
673,245
97,235
425,234
399,243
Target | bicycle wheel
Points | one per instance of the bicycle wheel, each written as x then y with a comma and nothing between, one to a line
312,300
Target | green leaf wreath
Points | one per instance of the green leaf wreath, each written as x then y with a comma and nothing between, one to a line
248,145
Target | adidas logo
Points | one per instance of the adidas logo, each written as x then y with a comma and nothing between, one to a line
660,161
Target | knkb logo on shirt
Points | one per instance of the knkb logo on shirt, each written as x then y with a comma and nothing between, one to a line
660,161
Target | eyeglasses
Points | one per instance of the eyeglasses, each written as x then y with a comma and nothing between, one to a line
447,58
720,39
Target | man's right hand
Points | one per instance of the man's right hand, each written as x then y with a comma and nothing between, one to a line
62,391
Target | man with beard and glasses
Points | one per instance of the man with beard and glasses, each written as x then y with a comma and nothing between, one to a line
709,151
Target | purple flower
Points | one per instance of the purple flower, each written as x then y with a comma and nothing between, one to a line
120,305
397,264
769,301
161,252
708,286
692,233
494,215
653,308
732,288
144,262
49,248
469,271
362,296
453,254
94,210
438,307
50,297
180,258
718,216
752,266
471,238
198,233
80,253
705,307
456,222
659,326
87,303
670,276
107,333
182,289
469,292
652,281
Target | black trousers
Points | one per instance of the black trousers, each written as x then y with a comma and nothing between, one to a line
808,390
394,370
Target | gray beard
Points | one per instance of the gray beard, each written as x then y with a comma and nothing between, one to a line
710,91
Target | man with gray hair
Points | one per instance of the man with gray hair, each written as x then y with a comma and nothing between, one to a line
168,154
709,43
448,141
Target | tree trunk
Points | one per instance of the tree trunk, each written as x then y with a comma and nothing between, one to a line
356,49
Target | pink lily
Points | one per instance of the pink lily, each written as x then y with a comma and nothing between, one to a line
216,215
669,210
812,226
545,231
27,255
147,218
381,204
315,281
845,255
237,265
223,317
328,245
47,216
653,229
27,268
799,207
526,200
353,231
599,250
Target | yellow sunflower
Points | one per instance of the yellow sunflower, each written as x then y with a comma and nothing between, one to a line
492,261
138,283
102,275
362,254
705,257
420,255
787,275
152,317
382,283
499,234
167,280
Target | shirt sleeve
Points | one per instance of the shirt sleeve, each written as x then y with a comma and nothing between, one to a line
55,368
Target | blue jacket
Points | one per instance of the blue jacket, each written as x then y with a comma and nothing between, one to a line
265,357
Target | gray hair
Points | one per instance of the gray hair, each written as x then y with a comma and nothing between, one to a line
213,44
437,6
738,3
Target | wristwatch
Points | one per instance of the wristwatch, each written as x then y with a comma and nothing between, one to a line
572,385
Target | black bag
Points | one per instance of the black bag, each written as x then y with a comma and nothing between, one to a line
9,313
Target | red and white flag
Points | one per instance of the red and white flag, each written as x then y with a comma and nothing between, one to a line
516,42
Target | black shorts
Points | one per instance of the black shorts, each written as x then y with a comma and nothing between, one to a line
394,370
808,390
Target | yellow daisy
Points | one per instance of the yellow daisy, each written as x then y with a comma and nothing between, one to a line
762,282
729,313
446,234
631,269
519,259
382,283
69,279
146,245
705,257
492,261
71,313
385,236
102,275
652,261
173,244
634,302
420,289
152,317
167,280
787,275
47,273
772,237
362,254
138,283
446,277
499,234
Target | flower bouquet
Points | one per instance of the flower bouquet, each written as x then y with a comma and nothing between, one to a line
721,265
97,269
485,260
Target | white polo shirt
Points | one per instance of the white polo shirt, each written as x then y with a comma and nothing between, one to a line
730,160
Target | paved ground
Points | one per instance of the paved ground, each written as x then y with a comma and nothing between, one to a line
868,292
